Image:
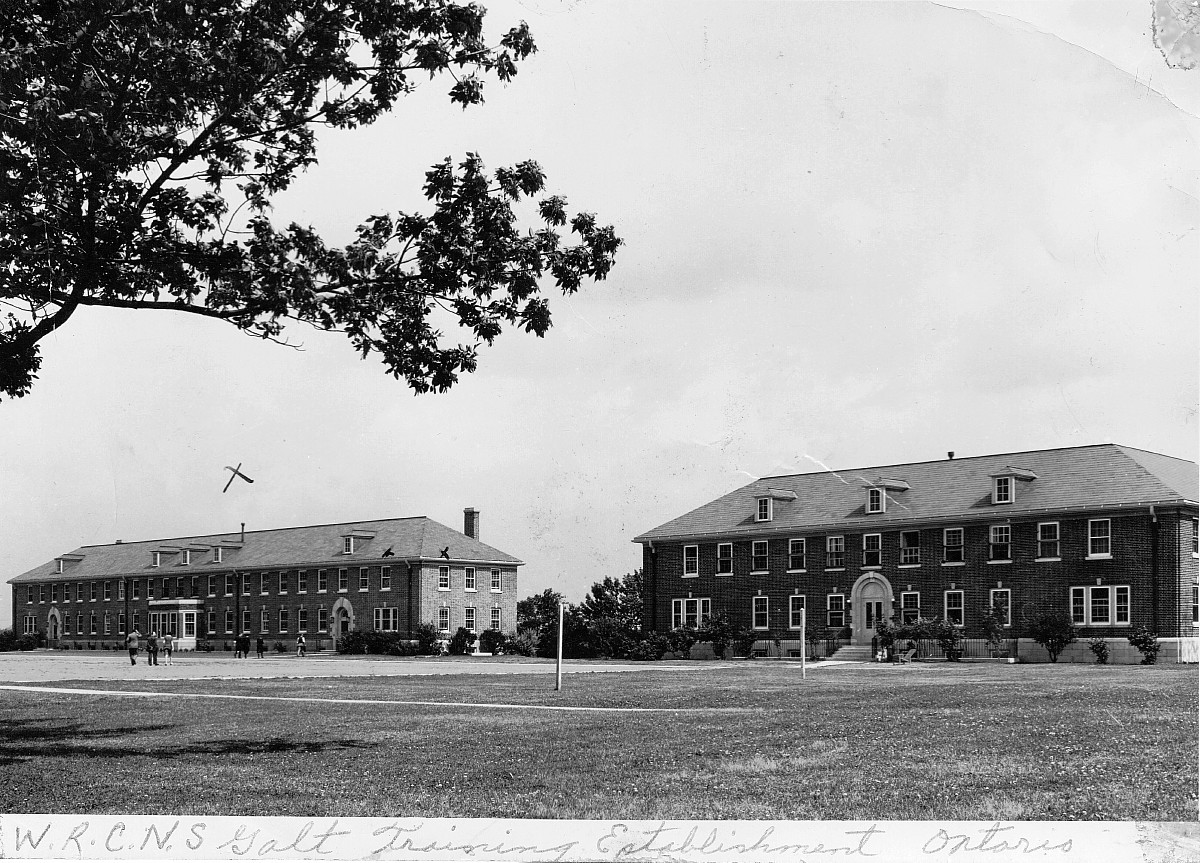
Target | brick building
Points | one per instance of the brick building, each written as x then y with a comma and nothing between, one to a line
1105,533
322,581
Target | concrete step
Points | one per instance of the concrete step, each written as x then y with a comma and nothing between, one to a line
854,653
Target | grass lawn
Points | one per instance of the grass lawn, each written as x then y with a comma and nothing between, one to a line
928,741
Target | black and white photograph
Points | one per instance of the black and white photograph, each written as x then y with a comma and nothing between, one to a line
724,430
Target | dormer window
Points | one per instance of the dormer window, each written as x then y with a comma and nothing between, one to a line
1002,490
156,558
187,557
218,554
764,509
876,500
347,545
58,565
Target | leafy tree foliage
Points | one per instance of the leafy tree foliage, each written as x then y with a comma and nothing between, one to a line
1146,642
462,642
538,612
1053,631
142,142
616,599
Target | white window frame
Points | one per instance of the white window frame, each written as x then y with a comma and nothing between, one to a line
797,548
1044,541
1007,602
910,555
837,608
302,581
218,554
496,621
794,610
724,558
755,569
347,545
907,606
230,619
998,530
765,612
764,509
961,608
469,580
343,576
1105,538
443,615
443,578
385,578
246,620
469,618
285,619
690,612
949,548
106,591
876,501
1118,595
156,558
322,619
187,557
386,619
364,579
873,547
1003,489
283,582
264,619
835,545
120,590
691,561
322,581
58,567
302,619
497,581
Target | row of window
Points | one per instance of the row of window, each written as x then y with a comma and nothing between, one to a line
283,582
953,550
1090,606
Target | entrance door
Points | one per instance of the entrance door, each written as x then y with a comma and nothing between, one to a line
871,604
53,627
343,624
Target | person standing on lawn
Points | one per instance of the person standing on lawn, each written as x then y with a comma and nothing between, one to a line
260,646
152,649
300,646
131,641
244,644
168,646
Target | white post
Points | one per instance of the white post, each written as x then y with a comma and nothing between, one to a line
803,643
558,664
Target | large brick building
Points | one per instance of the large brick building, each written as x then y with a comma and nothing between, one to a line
322,581
1105,533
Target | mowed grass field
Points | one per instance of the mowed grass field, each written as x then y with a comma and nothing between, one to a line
750,740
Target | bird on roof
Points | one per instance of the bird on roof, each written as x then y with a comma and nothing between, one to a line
388,553
446,552
237,471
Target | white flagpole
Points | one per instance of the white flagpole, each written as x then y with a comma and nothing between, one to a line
803,643
558,665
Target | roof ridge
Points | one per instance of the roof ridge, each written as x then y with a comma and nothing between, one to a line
225,533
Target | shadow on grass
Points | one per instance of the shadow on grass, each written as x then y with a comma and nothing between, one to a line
21,741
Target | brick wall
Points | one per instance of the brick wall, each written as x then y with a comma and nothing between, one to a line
457,598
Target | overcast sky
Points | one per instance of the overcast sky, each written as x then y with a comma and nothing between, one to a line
856,235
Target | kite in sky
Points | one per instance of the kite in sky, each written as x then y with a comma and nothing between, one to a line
237,471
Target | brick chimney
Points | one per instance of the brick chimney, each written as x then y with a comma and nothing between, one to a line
471,522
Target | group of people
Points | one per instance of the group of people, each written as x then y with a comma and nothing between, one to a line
153,644
167,644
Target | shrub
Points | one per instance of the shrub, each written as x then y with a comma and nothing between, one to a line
370,641
279,648
429,640
680,641
462,642
1147,644
949,639
1099,646
650,648
521,643
492,641
11,640
744,641
720,631
1052,631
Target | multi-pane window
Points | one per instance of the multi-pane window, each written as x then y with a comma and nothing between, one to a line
67,625
92,592
121,622
137,588
30,624
910,547
835,610
872,549
1196,604
322,620
443,578
263,584
156,558
953,604
910,606
218,554
54,593
107,624
264,620
835,552
758,555
149,588
245,584
725,558
364,578
795,611
469,579
212,585
1000,542
79,592
796,554
689,612
875,500
387,619
343,580
302,581
469,618
302,620
1100,606
347,545
120,590
952,545
211,626
495,617
1099,537
764,509
691,560
1048,539
92,623
444,619
283,582
229,620
285,619
1002,490
137,621
187,557
322,580
385,578
245,620
1001,599
166,588
107,591
760,614
497,584
229,588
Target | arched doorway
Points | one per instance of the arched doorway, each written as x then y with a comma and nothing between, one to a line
341,619
52,625
870,602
